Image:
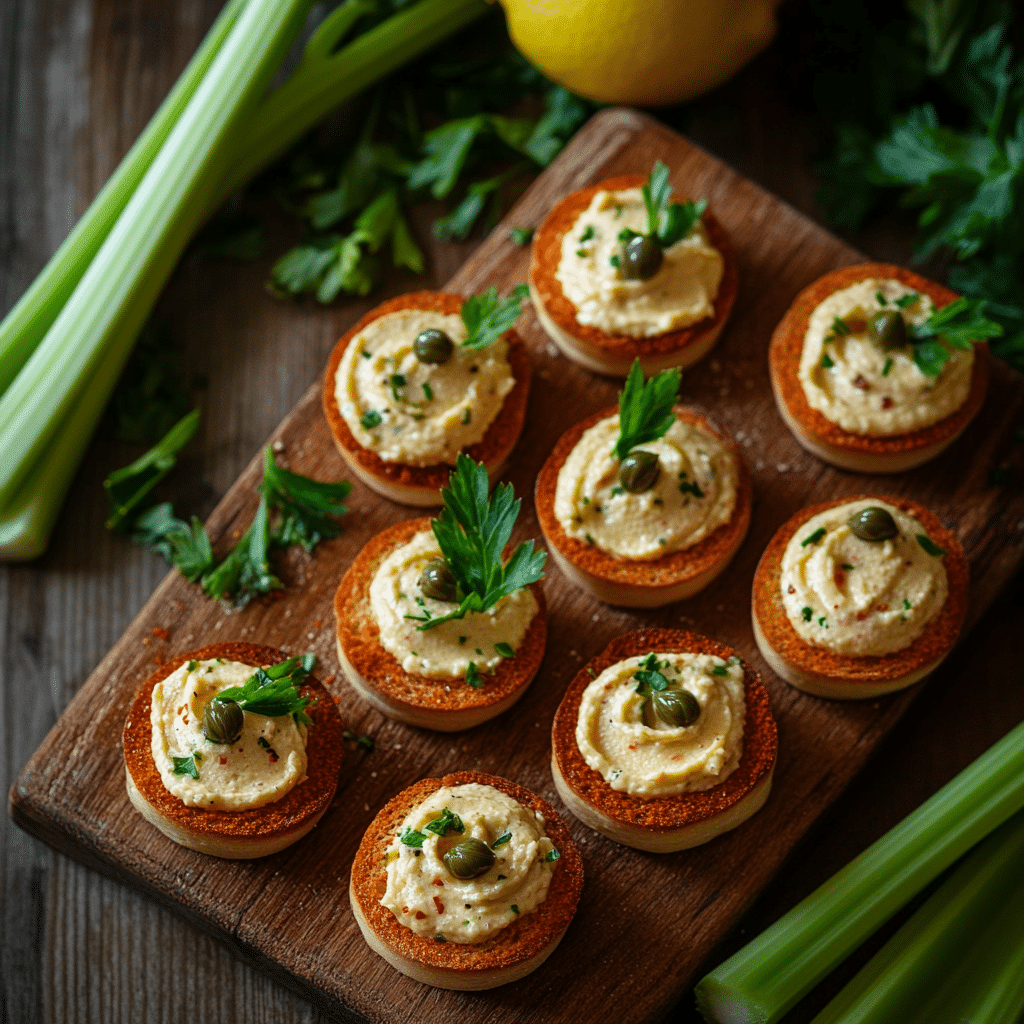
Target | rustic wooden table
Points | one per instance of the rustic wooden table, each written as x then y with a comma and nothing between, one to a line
80,80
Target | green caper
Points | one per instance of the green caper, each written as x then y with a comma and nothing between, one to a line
433,346
887,329
676,707
639,471
469,859
641,258
222,721
873,524
437,581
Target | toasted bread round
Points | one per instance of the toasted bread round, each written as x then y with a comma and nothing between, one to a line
235,834
668,823
421,485
614,353
445,703
845,676
510,955
640,584
862,453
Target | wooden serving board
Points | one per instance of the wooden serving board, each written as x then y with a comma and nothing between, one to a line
646,922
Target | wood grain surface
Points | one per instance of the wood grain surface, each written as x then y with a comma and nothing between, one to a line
79,80
288,913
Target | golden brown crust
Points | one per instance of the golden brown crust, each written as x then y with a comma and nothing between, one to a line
547,254
934,642
524,938
787,346
359,639
491,449
309,799
667,571
666,813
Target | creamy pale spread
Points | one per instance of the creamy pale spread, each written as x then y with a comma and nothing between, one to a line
694,494
854,596
428,899
637,753
398,606
266,763
865,390
416,413
682,292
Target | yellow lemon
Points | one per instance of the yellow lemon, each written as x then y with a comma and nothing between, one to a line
640,52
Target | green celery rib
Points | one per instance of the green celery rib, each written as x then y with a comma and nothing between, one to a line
114,296
30,318
769,975
940,957
323,79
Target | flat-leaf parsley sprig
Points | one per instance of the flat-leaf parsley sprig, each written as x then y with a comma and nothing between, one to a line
960,323
472,532
274,691
487,317
645,409
668,222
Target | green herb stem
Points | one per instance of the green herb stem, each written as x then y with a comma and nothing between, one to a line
940,962
770,974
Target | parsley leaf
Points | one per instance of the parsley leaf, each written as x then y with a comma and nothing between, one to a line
127,487
413,838
308,508
273,691
185,547
472,532
501,840
245,572
929,545
449,821
487,318
645,409
473,677
668,223
521,236
552,855
186,765
960,323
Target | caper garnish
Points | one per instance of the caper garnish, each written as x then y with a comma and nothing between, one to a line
639,471
641,258
676,707
222,721
433,346
873,524
887,329
437,581
469,859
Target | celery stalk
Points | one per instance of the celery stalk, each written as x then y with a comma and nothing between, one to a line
940,957
326,76
114,296
31,317
769,975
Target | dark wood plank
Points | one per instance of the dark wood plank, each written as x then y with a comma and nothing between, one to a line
71,792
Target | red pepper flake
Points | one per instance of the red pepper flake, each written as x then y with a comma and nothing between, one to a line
437,881
632,746
420,915
328,680
439,904
223,759
881,607
860,382
405,910
887,402
792,589
160,633
182,708
180,605
839,577
158,659
317,623
861,616
856,324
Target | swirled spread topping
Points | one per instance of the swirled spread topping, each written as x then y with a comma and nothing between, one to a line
399,606
856,582
694,494
866,386
664,724
508,856
416,412
265,763
682,292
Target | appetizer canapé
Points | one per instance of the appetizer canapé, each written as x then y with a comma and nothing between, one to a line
876,369
233,750
466,882
620,272
422,378
645,504
434,628
859,596
664,741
